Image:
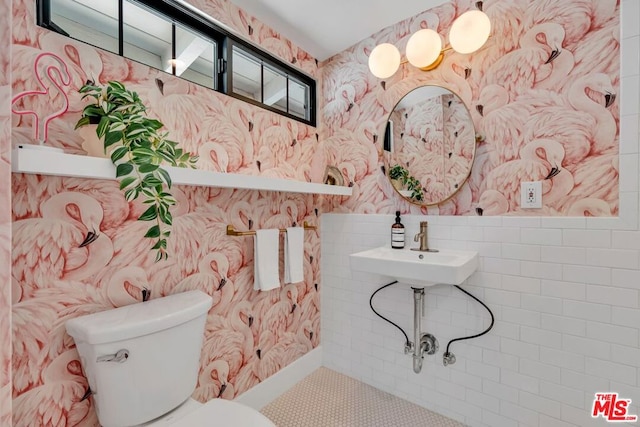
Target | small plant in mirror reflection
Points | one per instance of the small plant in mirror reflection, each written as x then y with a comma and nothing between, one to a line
400,174
137,148
414,186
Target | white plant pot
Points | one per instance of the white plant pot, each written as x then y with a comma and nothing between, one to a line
92,144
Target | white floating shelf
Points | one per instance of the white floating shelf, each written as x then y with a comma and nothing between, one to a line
45,162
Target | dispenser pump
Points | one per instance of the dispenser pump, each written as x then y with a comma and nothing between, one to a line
397,233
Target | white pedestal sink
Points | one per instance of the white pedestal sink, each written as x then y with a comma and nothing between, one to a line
447,266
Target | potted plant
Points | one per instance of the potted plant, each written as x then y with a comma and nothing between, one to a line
406,184
414,186
398,176
137,148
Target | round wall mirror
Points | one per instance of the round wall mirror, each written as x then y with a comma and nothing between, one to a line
429,145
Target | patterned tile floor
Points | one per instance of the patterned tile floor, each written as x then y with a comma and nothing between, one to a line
329,399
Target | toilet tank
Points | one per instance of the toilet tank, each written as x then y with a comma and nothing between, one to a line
158,343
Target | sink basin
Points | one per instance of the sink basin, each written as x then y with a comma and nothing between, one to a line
448,266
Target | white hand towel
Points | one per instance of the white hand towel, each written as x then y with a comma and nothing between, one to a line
265,254
293,252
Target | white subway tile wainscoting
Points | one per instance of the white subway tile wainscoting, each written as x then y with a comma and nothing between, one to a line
565,328
565,293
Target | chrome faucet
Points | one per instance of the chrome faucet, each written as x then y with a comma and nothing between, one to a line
422,238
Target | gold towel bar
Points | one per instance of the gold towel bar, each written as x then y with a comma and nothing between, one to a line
232,232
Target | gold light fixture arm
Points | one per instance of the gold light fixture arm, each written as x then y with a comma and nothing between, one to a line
435,63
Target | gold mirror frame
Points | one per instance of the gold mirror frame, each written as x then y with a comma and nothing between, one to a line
464,129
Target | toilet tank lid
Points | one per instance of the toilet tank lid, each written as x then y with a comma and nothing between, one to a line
139,319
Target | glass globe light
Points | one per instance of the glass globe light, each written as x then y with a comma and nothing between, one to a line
470,31
424,48
384,60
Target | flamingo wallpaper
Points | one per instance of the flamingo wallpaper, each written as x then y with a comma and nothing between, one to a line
249,335
542,94
535,96
5,214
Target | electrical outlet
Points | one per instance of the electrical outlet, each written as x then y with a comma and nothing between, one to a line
531,194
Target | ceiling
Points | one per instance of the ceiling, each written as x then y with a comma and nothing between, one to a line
324,28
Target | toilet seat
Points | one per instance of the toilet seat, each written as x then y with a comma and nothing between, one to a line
221,412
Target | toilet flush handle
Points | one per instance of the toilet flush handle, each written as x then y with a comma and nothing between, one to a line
120,357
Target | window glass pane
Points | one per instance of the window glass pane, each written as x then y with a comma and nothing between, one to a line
275,89
298,99
92,21
247,72
147,37
195,57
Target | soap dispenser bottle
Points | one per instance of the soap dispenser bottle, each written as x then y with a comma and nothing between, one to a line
397,233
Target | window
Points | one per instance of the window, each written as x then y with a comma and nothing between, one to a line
195,57
299,98
246,75
94,22
146,37
259,80
173,37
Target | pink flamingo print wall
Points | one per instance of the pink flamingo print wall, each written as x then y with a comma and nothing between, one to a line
57,76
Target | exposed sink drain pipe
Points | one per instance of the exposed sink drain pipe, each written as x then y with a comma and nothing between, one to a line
423,343
426,343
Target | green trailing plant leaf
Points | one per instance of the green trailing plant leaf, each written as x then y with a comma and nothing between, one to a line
136,130
123,169
164,175
153,232
151,195
131,194
82,122
102,126
139,151
112,138
151,181
160,244
150,214
167,157
154,124
148,168
126,182
143,152
117,126
119,153
167,218
91,111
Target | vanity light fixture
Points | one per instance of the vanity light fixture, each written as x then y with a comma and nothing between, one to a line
468,33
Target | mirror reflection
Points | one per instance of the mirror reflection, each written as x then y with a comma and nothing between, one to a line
429,145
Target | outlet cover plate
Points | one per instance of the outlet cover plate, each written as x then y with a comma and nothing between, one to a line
531,194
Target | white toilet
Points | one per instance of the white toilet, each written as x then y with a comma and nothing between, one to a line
142,363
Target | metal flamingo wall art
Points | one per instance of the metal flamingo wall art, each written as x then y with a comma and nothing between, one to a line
49,77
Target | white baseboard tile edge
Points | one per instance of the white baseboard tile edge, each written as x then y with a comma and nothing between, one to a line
273,387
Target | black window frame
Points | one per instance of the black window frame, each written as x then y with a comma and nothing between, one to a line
178,13
276,64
